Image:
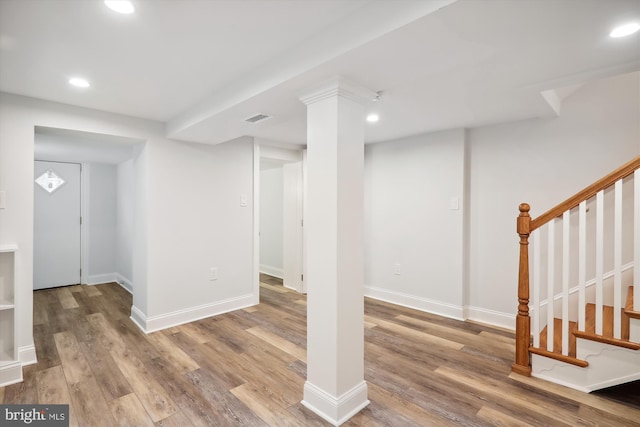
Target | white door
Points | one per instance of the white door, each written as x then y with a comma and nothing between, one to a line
293,226
56,251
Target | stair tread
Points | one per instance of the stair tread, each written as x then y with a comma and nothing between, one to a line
607,322
557,337
590,329
559,356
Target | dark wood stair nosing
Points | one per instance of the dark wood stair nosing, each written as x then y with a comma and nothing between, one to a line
607,340
627,313
632,313
628,308
559,356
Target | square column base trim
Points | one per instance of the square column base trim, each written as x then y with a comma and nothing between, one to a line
335,410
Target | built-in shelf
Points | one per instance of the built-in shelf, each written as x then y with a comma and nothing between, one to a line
9,363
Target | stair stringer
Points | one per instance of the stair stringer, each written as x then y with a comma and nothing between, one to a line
609,365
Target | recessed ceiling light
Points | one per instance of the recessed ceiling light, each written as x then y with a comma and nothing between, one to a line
625,30
78,82
120,6
372,118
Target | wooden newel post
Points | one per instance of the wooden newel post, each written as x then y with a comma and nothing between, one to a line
522,364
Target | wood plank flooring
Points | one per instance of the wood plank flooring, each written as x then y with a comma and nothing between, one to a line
248,368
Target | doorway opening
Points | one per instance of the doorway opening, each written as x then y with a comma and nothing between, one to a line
83,231
281,218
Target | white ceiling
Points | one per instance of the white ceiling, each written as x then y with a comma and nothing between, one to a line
203,66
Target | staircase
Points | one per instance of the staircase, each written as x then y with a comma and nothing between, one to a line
584,334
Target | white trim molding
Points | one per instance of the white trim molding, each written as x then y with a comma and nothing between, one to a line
179,317
335,410
98,279
27,355
272,271
491,317
10,373
338,86
125,283
411,301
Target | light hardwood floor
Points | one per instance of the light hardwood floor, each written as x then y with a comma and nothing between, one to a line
248,368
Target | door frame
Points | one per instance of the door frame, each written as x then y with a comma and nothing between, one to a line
284,155
83,238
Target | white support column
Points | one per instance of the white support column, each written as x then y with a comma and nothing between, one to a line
335,388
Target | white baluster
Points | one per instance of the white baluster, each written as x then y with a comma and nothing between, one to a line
550,283
599,258
535,329
582,263
617,260
566,224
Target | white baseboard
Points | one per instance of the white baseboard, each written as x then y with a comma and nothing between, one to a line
491,317
411,301
272,271
335,410
477,314
125,283
10,373
97,279
179,317
27,355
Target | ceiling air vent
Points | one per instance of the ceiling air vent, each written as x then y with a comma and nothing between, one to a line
257,118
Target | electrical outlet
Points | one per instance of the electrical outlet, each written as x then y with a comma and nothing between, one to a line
396,269
213,273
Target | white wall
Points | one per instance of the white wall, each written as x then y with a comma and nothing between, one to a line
409,187
271,221
101,222
125,216
187,213
195,221
541,162
468,267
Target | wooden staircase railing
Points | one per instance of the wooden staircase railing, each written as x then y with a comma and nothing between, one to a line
526,226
